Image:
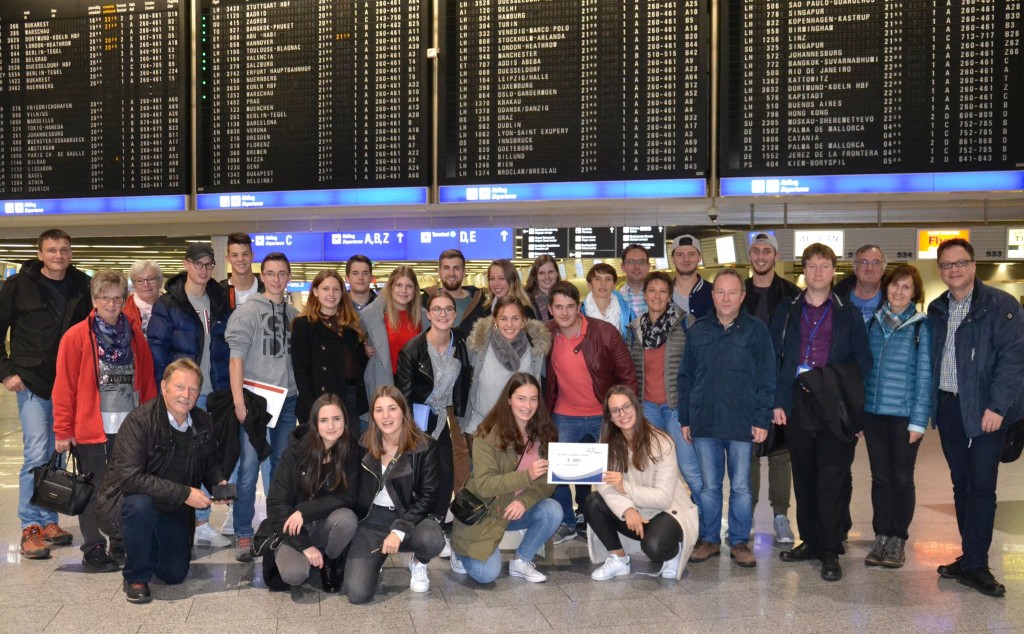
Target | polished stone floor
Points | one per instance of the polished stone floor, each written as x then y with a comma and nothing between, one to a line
223,596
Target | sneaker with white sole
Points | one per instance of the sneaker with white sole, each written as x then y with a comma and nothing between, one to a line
419,581
525,570
446,552
612,567
670,568
207,535
783,532
564,534
457,566
228,527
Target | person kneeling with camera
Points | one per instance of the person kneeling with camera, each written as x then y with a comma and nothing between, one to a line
165,449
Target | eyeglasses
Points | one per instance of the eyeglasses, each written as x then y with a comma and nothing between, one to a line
614,412
143,281
874,263
199,265
442,310
945,266
634,261
114,301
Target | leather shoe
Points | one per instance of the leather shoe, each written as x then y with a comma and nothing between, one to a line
981,579
953,570
803,552
830,568
330,580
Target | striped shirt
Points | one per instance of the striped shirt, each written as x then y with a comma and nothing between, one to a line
957,312
636,300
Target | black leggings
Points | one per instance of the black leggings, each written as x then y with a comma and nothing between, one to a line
662,533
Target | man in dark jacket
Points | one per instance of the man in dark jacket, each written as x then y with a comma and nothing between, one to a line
765,290
726,393
37,306
978,372
189,321
469,300
164,450
812,330
588,357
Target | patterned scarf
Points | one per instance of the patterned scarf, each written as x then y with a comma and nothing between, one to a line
655,333
114,342
891,321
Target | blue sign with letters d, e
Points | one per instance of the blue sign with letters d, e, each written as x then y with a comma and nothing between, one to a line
491,243
427,244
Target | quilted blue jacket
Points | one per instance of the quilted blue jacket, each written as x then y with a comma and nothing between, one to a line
900,381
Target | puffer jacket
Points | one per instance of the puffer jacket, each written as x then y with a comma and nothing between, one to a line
413,482
900,382
673,353
989,355
175,331
287,494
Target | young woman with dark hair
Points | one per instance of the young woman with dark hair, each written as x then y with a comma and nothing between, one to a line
643,497
311,498
398,488
329,350
543,275
509,468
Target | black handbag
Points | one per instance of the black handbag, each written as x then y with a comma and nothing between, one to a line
265,540
59,490
468,508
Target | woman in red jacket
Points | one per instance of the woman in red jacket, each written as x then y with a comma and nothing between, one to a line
104,370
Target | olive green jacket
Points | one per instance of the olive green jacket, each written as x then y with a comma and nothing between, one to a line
494,475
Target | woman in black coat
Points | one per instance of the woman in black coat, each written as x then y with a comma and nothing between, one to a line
329,350
434,375
311,499
398,488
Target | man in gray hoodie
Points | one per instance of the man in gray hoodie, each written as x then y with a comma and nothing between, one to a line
259,336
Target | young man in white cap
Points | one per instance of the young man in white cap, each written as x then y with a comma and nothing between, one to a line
689,291
765,290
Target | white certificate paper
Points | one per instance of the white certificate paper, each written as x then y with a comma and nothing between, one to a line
576,462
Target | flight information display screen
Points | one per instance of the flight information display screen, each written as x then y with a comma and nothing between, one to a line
582,90
93,99
848,87
313,94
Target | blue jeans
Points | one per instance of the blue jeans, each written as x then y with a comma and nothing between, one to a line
666,418
278,437
713,454
575,429
155,542
973,467
540,523
37,436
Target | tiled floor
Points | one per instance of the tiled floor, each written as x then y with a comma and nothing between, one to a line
223,596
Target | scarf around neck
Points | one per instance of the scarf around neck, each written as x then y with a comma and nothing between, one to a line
654,333
114,342
508,353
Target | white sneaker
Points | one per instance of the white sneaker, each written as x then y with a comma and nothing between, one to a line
525,570
446,552
612,567
418,579
228,527
207,535
457,566
670,568
783,533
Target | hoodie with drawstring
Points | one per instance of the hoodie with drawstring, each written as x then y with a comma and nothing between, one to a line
259,333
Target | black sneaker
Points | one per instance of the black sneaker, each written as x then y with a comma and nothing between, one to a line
137,592
981,579
96,559
581,526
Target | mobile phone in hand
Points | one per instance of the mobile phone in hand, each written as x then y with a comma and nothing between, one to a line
224,492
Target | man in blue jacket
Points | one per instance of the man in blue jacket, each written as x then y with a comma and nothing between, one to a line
726,393
817,329
978,356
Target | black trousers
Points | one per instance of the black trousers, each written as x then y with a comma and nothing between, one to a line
92,459
892,460
821,465
661,535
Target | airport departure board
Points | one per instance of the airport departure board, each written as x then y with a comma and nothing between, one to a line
93,98
313,94
848,86
575,90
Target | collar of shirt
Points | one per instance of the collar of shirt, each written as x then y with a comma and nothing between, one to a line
180,427
963,304
579,335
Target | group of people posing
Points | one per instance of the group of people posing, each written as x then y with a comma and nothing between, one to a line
394,403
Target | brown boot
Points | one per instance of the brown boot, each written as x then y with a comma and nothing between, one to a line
704,551
32,544
741,554
56,535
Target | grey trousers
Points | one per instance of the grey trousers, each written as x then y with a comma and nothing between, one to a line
330,535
